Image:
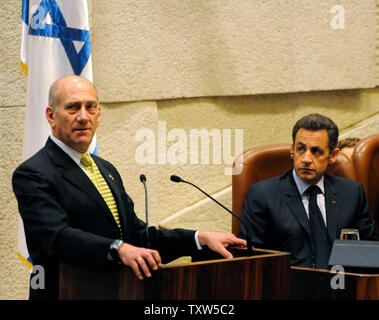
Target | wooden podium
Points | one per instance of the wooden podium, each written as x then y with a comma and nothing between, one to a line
263,275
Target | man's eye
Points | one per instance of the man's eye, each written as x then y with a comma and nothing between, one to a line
71,108
91,107
317,151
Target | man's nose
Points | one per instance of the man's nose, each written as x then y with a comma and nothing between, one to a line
307,157
82,114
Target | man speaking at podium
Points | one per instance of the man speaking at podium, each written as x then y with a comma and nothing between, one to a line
74,206
304,210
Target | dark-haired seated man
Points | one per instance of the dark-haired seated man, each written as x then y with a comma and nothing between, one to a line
304,210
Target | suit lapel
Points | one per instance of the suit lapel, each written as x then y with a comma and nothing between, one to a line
75,175
295,204
332,207
294,201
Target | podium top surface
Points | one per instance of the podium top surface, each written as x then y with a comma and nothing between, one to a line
239,254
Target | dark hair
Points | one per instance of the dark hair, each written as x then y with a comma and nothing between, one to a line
317,122
347,143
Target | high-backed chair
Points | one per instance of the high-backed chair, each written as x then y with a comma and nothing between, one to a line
265,162
366,163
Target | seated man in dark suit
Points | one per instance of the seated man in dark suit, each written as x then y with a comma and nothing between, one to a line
304,210
74,206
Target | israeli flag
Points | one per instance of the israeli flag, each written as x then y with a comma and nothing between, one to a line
55,43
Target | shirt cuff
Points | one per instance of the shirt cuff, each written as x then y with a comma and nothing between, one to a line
199,247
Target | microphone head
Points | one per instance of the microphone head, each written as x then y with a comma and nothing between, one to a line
175,178
142,177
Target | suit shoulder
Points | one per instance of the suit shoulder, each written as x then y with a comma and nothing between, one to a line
37,166
342,183
341,180
269,183
35,161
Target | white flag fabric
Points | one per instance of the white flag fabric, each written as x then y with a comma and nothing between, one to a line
55,43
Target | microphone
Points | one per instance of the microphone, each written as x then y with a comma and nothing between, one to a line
142,177
249,243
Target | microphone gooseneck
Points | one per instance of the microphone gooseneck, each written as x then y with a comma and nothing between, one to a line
248,240
142,177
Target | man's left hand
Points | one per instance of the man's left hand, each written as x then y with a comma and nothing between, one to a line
218,241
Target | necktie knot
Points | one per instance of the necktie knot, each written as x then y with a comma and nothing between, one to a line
86,160
313,190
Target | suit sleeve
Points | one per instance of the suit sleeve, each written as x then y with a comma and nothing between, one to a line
256,216
364,220
47,228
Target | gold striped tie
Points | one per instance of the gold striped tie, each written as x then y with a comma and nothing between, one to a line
101,185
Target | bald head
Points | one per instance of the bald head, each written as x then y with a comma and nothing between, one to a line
73,112
55,91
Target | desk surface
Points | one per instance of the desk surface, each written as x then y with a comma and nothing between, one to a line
317,284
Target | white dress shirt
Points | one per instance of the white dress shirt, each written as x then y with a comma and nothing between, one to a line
303,186
74,155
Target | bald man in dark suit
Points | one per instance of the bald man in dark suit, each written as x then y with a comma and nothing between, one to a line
65,217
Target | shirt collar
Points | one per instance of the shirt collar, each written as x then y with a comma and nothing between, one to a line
302,186
73,154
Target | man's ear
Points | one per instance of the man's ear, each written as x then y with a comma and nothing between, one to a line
50,115
292,151
334,155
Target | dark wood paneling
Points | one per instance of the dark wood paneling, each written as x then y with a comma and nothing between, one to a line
266,275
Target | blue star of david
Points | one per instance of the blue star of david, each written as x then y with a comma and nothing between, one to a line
67,35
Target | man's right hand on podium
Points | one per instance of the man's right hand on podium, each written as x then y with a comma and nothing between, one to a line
142,259
139,259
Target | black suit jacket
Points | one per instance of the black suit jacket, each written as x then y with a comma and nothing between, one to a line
277,219
66,219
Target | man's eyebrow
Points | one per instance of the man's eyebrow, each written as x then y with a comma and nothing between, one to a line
313,148
79,102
